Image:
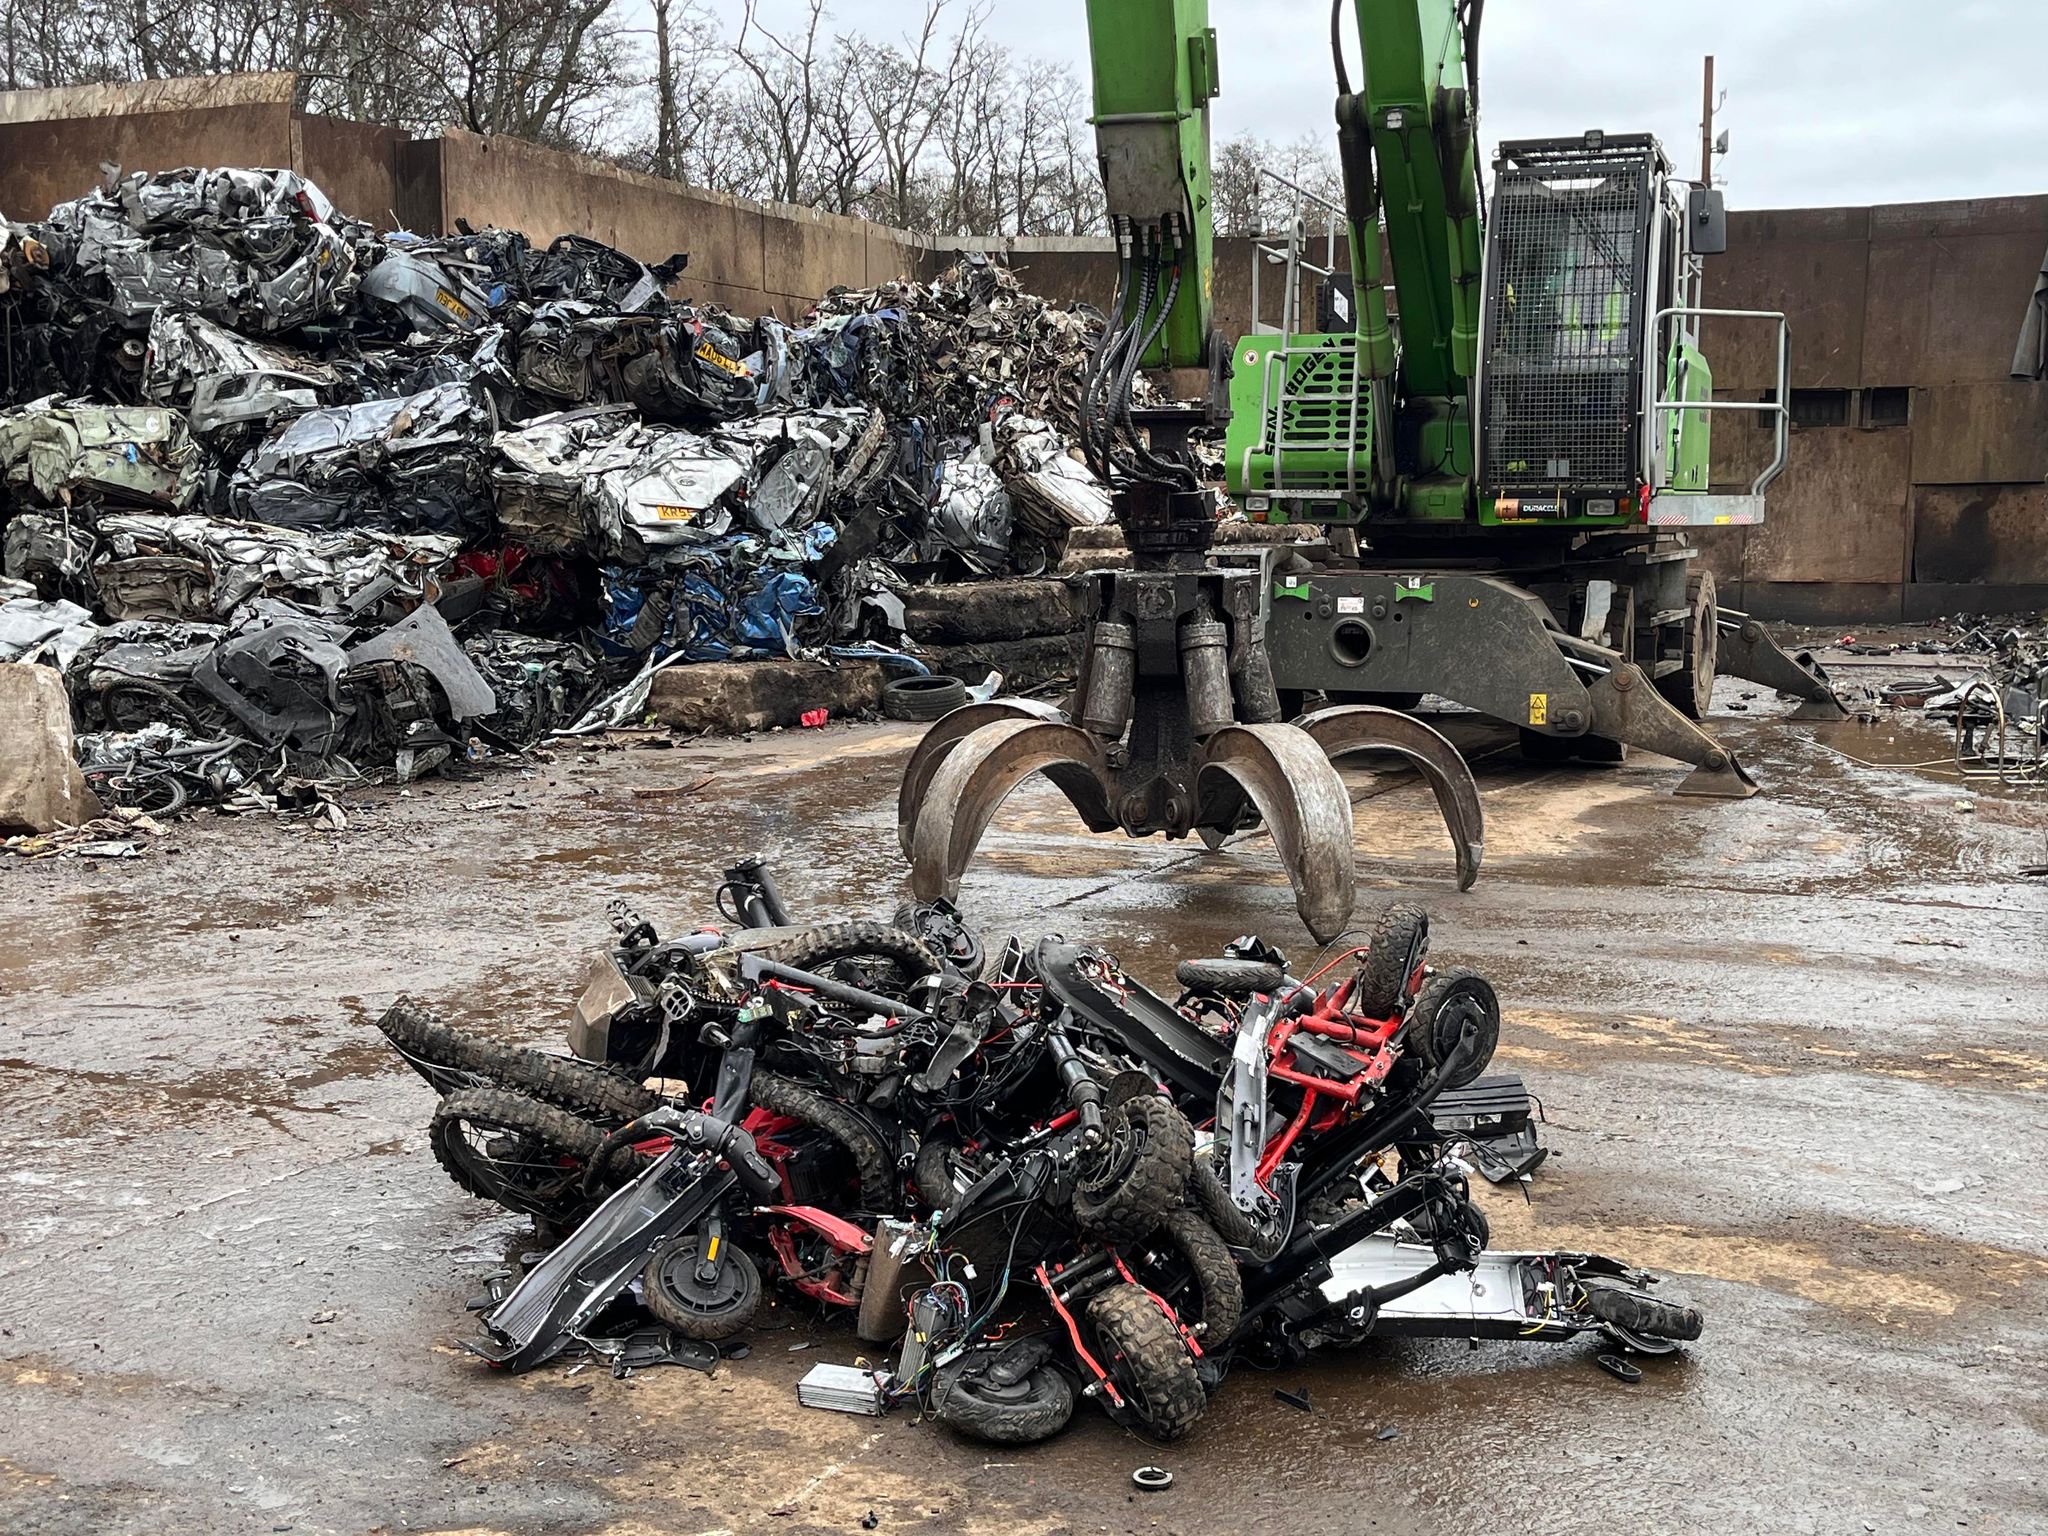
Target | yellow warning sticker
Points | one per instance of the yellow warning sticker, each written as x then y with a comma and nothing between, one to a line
1539,709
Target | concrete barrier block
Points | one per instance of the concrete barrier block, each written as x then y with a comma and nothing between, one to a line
733,696
41,788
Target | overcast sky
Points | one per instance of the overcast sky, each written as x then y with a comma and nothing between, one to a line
1828,101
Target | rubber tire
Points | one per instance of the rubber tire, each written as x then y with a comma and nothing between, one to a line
167,788
1432,1033
780,1096
815,948
1691,690
578,1086
1639,1311
1154,1183
1143,1352
969,961
499,1109
1399,943
1211,1196
1039,1412
922,698
1215,1272
654,1295
1228,978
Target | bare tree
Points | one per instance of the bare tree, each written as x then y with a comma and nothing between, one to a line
1254,182
940,129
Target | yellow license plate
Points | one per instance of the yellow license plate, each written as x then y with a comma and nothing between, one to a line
452,304
675,514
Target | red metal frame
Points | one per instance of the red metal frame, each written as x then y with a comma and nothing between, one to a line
1074,1334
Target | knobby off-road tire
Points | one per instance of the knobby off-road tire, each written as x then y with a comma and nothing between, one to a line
1211,1197
669,1291
1219,1287
1036,1408
539,1171
1144,1356
779,1096
576,1086
1122,1196
1399,943
817,948
1638,1311
1446,1001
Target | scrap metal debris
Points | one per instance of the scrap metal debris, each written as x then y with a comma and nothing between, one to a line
243,435
994,1169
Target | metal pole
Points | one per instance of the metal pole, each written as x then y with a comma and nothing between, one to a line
1707,126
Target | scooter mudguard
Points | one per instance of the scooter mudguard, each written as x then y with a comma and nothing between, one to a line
559,1296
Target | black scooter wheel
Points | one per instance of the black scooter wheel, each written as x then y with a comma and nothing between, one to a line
1449,1001
1400,942
713,1309
1015,1413
1141,1175
1146,1360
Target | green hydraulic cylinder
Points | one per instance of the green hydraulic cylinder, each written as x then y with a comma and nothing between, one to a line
1154,64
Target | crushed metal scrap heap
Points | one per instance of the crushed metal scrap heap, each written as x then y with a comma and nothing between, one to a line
246,441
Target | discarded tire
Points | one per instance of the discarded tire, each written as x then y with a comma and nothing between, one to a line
1399,943
1210,1298
976,1403
451,1059
1449,1001
1145,1358
1228,978
922,698
852,951
1122,1194
527,1156
701,1309
863,1148
1635,1311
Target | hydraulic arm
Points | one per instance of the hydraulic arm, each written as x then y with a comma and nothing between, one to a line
1578,314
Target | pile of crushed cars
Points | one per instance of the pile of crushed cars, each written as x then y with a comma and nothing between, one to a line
1048,1181
363,502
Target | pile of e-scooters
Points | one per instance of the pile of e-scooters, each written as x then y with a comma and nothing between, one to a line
1044,1178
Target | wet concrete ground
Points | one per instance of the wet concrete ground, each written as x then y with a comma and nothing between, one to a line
1791,1049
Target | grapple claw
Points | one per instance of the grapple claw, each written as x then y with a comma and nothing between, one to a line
1301,799
977,773
1347,729
944,735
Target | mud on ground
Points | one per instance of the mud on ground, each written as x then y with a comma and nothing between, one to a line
1791,1051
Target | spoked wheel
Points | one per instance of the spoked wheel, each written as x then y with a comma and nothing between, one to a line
527,1156
1143,1355
699,1306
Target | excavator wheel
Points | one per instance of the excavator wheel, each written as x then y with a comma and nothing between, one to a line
1691,691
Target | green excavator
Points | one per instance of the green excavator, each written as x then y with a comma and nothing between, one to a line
1499,414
